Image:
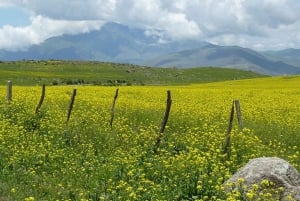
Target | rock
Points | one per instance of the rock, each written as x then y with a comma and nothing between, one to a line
279,172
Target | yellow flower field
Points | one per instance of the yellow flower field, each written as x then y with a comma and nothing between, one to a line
43,158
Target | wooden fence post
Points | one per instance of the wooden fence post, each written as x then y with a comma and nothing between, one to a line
113,108
41,99
238,113
71,105
227,139
9,91
164,121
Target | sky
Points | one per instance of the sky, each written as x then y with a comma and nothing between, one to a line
256,24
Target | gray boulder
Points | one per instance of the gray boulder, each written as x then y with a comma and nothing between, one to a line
279,172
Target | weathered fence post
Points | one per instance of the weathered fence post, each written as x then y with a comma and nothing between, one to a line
113,108
227,139
71,105
9,91
41,99
164,121
238,113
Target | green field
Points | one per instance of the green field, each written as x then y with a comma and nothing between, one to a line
100,73
45,158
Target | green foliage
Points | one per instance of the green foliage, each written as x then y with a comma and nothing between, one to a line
54,72
42,158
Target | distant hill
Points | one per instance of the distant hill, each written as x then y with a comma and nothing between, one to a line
55,72
290,56
113,43
122,44
224,56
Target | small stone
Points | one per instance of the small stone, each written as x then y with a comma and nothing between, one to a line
275,170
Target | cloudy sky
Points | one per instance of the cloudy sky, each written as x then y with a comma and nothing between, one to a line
257,24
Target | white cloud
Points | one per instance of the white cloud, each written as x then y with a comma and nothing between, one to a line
41,28
178,26
262,24
5,3
154,15
70,10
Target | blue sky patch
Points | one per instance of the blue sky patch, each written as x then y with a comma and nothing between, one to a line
13,16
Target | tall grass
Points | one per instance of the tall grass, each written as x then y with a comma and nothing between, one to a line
42,158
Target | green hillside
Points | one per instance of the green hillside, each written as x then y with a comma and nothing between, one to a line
55,72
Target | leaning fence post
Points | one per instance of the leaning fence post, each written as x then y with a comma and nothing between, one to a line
9,91
113,108
227,139
164,121
41,99
71,105
238,113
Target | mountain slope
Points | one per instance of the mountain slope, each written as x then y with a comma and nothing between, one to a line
113,42
290,56
54,72
224,56
122,44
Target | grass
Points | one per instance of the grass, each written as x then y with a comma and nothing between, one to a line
42,158
100,73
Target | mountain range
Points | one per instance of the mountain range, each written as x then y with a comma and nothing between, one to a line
122,44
